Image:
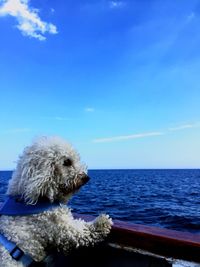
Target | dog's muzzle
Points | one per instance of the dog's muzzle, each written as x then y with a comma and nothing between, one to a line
80,180
84,178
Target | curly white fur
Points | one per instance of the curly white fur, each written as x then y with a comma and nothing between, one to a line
42,172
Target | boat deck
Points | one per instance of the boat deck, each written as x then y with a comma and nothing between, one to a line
107,256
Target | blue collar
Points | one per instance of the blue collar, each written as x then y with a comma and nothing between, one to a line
15,252
15,206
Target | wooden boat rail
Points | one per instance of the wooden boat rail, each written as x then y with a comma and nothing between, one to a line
162,242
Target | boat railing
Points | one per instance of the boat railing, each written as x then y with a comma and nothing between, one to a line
159,241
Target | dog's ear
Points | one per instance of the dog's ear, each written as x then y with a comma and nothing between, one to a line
37,178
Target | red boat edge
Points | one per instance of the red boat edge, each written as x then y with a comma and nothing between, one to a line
162,242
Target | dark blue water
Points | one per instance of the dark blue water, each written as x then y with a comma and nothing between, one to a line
165,198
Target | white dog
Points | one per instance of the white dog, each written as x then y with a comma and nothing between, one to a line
47,174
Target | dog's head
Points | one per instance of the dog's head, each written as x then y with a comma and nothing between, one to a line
49,168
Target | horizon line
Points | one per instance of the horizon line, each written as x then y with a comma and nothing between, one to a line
96,169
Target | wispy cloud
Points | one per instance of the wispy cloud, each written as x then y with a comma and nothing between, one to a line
56,118
183,127
190,17
116,4
127,137
29,22
148,134
60,118
16,130
89,109
52,10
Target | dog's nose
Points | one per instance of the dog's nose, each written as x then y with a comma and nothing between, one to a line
84,177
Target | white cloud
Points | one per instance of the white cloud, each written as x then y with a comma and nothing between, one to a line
116,4
148,134
89,109
127,137
184,126
29,22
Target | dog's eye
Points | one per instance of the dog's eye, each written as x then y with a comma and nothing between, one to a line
67,162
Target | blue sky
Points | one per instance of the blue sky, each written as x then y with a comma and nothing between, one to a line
118,79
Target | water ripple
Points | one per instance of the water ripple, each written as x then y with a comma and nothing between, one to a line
165,198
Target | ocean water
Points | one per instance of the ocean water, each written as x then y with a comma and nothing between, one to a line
164,198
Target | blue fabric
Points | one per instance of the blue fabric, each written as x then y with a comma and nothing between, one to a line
15,206
15,252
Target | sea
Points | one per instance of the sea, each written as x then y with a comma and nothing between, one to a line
165,198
